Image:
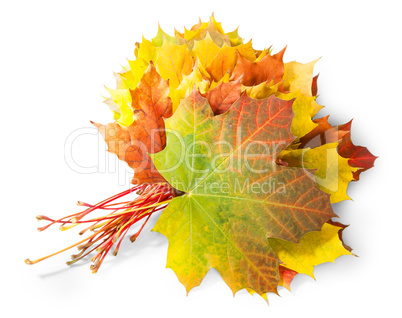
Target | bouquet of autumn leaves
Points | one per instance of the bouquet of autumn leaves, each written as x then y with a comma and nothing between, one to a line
222,140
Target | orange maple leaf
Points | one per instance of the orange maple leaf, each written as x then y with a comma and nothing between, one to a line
132,144
270,67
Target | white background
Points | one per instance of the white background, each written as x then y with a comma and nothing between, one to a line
55,59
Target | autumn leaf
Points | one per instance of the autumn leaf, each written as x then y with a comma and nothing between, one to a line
299,77
314,88
323,133
150,104
234,37
359,157
329,150
270,67
138,68
120,105
304,108
313,249
194,79
209,228
223,62
286,276
332,172
206,50
125,79
218,61
162,36
262,90
246,50
173,61
214,28
145,50
222,97
144,53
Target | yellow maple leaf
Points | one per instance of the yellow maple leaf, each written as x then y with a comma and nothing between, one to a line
305,108
332,172
194,79
262,90
173,61
198,30
138,68
299,76
218,61
145,50
122,99
161,36
205,50
246,50
223,63
125,80
313,249
234,37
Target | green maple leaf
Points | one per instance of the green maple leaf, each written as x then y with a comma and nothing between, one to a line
236,197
